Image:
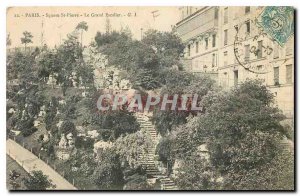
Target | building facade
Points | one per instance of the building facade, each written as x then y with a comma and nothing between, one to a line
228,43
198,30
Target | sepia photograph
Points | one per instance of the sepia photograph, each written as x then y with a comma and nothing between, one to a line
150,98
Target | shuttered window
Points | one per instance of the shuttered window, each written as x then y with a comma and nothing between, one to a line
247,52
225,37
226,15
276,75
259,49
289,74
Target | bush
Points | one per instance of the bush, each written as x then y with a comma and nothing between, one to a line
83,142
108,174
27,127
38,181
137,182
164,149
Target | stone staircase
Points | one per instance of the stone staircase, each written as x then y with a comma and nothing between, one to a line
148,160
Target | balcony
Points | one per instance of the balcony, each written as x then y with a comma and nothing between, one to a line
200,23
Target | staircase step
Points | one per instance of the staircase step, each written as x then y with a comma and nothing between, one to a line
169,183
147,159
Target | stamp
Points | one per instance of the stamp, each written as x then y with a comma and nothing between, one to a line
277,22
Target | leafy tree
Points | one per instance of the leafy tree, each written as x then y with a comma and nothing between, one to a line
177,82
84,143
137,182
85,161
86,75
26,126
168,46
51,111
69,56
26,39
22,66
164,150
68,127
197,174
108,173
120,122
130,147
48,64
38,181
143,60
83,27
242,131
146,78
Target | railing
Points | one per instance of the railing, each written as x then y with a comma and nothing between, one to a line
36,152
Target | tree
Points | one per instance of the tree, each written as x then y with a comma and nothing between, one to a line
68,127
142,60
167,45
242,131
84,160
69,56
108,173
83,27
197,174
177,82
26,39
38,181
48,64
137,182
120,122
27,127
85,76
130,147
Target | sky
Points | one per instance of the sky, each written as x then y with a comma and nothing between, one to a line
20,19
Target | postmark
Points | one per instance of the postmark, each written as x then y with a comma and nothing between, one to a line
244,56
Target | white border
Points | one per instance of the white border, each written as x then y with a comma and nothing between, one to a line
7,3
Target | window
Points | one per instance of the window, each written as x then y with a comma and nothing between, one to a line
191,10
247,53
197,47
214,40
248,26
259,49
276,75
216,13
206,43
247,9
289,74
213,60
225,37
225,58
236,77
226,15
182,14
189,50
